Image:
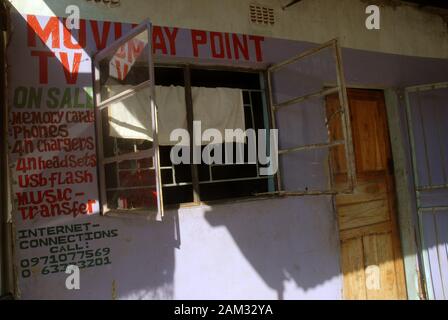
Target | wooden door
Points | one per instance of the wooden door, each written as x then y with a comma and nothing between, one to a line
371,257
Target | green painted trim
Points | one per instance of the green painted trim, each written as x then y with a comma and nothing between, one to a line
404,195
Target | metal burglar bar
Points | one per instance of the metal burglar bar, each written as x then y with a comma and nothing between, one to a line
347,141
172,168
426,128
103,103
417,118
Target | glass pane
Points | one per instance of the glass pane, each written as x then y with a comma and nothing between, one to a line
131,184
125,67
133,199
307,75
127,125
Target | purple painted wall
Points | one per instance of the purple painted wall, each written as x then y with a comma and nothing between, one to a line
268,249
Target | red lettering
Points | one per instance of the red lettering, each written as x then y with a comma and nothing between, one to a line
228,51
135,48
50,29
239,47
43,64
158,42
171,35
257,41
121,75
117,30
198,37
81,41
71,75
100,41
215,53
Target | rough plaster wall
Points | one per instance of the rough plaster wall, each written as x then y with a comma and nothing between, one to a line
404,29
280,248
171,278
271,249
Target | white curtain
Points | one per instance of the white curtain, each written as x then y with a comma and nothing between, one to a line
218,108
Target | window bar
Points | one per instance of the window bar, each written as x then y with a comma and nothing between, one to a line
124,94
324,92
345,119
173,173
129,156
411,135
303,55
442,152
117,168
190,118
434,209
425,146
312,146
346,125
267,123
426,87
155,129
278,186
143,169
253,124
99,140
432,187
210,172
233,180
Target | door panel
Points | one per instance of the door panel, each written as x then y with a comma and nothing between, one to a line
368,204
353,266
371,257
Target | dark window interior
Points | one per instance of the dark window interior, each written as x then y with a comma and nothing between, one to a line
215,181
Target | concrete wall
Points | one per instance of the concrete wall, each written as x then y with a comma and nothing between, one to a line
266,249
279,248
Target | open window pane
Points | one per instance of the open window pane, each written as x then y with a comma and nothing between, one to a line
303,76
124,67
314,140
127,128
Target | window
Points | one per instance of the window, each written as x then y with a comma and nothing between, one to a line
312,134
183,95
129,167
139,106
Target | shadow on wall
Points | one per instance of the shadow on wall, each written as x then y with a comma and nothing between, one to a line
292,243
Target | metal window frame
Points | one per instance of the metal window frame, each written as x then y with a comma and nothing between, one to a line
347,140
146,25
417,89
426,272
